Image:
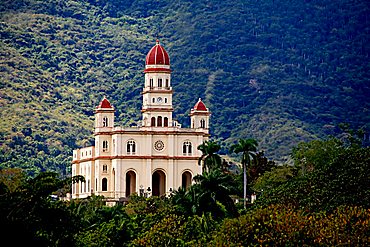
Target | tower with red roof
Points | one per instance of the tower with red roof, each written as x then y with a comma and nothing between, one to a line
199,115
157,92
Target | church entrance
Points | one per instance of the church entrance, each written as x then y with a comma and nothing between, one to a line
159,183
130,183
186,180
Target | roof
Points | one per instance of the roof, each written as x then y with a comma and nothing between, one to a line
157,56
105,103
200,106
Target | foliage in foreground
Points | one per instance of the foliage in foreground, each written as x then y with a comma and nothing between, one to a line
288,226
328,174
323,200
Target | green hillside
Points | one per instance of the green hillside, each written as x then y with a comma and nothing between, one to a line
278,71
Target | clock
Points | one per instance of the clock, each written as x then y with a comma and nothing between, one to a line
159,99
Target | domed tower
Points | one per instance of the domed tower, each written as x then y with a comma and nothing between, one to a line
199,116
104,116
104,123
157,92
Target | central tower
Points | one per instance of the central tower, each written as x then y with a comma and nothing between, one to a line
157,92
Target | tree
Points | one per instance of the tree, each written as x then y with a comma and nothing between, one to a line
247,147
212,188
211,160
12,178
333,174
259,165
271,179
30,209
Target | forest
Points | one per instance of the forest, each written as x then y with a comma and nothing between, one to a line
323,200
281,72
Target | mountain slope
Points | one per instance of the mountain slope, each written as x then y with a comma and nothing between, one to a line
278,71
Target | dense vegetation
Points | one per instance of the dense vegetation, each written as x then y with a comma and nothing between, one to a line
324,199
279,71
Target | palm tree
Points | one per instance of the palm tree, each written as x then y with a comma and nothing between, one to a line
211,160
212,188
248,147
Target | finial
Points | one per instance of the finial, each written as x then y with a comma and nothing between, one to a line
157,41
200,99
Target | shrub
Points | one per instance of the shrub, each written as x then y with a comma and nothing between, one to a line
288,226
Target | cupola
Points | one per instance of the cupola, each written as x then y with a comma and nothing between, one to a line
200,106
199,116
104,104
104,116
157,59
157,56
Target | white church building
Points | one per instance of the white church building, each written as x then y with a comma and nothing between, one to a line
152,159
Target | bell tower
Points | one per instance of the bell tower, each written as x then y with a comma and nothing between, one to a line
157,92
104,116
104,123
199,116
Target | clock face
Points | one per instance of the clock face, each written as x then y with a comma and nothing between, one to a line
159,99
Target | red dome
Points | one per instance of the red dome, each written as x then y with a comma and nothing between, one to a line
104,104
157,56
200,106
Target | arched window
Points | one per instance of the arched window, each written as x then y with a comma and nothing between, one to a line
160,82
151,82
202,123
187,148
152,123
105,168
159,121
131,147
165,122
105,122
167,83
105,146
104,184
153,100
165,100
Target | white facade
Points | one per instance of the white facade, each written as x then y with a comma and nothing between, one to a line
151,159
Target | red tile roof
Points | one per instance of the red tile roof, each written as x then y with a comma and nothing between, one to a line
105,104
200,106
157,56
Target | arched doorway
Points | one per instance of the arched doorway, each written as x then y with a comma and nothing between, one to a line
186,180
159,183
130,183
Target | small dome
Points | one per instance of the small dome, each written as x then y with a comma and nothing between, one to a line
157,56
105,103
200,106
